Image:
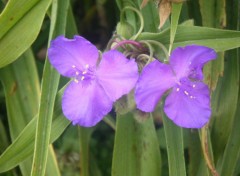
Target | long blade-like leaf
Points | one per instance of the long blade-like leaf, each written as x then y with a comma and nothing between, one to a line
136,149
175,150
20,24
48,92
23,146
218,39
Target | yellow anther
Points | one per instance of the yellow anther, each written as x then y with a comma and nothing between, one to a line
186,92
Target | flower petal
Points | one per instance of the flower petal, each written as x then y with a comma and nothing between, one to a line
67,55
116,74
85,104
188,61
188,105
155,79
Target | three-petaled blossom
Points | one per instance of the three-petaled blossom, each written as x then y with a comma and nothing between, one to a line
96,86
188,103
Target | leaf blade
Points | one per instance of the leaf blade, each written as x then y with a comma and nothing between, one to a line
10,46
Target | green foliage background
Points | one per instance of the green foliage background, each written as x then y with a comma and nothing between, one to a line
36,139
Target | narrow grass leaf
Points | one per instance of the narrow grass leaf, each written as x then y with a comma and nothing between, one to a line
218,39
232,151
22,147
136,149
22,90
84,136
150,11
48,92
224,104
175,149
176,9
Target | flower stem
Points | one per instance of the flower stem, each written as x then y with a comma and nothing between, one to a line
205,148
140,17
164,49
125,42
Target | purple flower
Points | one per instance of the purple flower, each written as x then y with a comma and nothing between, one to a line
188,103
90,96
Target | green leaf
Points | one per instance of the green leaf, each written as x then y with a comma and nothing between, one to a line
22,90
197,165
23,146
150,12
3,137
224,104
218,39
229,161
213,15
136,148
84,136
207,9
49,89
128,16
232,151
17,31
175,148
176,9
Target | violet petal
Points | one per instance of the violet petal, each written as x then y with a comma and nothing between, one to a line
156,78
67,55
116,74
85,104
188,105
188,61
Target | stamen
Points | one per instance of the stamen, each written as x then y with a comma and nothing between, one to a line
75,80
84,72
77,73
186,92
177,89
82,78
86,66
73,66
193,85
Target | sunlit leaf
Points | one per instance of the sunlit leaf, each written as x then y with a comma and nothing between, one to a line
20,23
218,39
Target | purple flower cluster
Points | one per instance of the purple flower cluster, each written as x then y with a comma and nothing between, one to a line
98,81
188,103
90,96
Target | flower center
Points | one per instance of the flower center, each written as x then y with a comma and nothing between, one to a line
186,88
87,74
